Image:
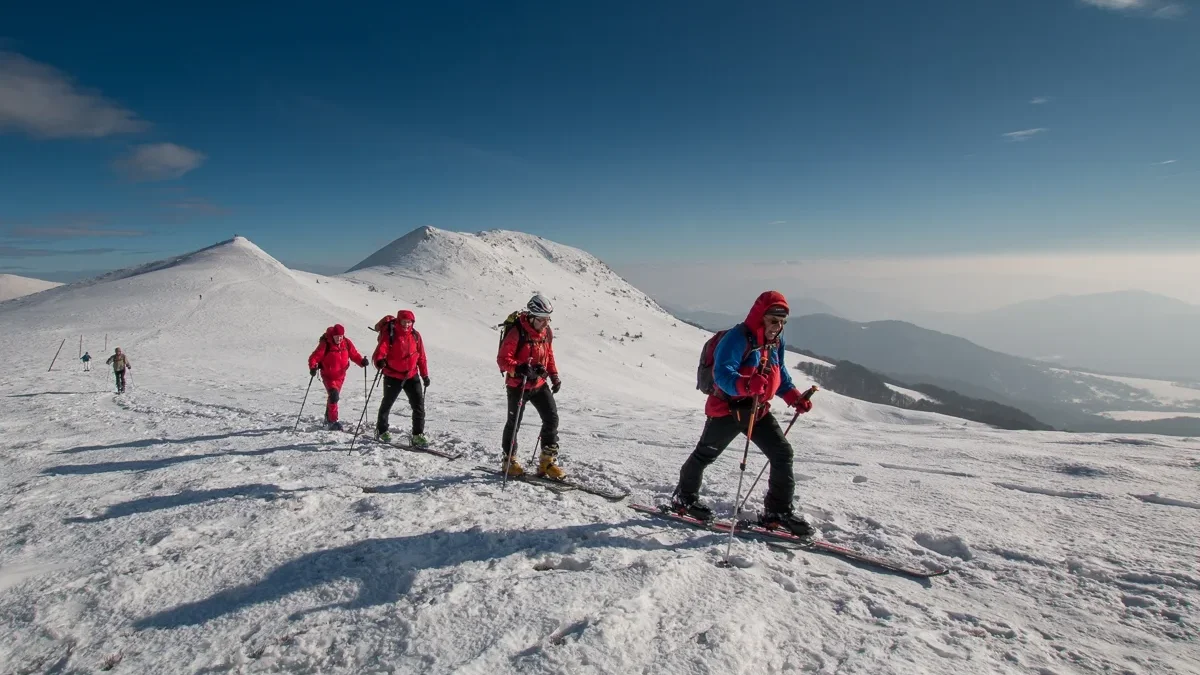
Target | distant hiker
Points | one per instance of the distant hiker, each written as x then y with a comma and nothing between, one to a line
87,361
332,356
400,355
526,357
120,364
747,364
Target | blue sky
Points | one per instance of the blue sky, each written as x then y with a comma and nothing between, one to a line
638,131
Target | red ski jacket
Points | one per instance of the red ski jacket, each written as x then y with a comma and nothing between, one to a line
735,363
401,350
334,360
523,345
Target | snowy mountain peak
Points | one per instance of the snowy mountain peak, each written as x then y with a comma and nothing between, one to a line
512,264
13,286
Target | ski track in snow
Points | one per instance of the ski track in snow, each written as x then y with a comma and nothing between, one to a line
183,527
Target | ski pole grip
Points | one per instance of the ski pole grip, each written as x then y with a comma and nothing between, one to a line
809,394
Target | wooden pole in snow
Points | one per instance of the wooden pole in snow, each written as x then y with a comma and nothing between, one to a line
81,346
105,344
60,346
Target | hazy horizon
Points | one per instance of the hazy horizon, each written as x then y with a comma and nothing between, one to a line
880,288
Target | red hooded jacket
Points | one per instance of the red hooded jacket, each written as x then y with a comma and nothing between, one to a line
537,348
334,360
401,350
733,365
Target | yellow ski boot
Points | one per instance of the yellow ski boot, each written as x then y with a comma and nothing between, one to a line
514,467
546,466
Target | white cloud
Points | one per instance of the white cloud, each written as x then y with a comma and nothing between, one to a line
44,102
1117,4
1038,100
1171,10
1169,161
778,222
1024,134
1161,9
159,161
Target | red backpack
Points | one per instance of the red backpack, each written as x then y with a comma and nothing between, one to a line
704,371
387,327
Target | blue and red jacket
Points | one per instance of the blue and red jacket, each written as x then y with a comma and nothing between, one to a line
733,365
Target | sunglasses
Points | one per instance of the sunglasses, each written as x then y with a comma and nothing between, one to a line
775,319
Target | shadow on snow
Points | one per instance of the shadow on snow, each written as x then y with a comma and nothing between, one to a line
185,498
384,569
153,464
147,442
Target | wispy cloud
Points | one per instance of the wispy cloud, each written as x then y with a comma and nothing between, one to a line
778,222
1039,100
197,206
1171,10
69,226
21,252
1161,9
1169,161
43,102
159,161
1024,134
85,232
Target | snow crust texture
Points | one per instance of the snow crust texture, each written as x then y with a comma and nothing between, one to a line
183,527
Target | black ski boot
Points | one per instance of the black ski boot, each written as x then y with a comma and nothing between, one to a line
335,426
690,506
786,521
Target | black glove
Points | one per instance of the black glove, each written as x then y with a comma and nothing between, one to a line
312,372
539,370
525,370
380,364
365,361
555,384
425,381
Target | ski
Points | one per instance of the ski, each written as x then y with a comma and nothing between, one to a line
750,529
429,450
564,485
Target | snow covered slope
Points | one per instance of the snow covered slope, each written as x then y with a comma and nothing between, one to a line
13,286
182,527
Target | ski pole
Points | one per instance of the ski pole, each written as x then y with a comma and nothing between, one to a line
533,457
762,363
60,346
363,416
512,445
741,475
310,381
807,395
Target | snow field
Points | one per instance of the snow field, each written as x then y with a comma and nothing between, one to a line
183,527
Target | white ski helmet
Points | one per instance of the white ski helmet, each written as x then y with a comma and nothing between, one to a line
539,306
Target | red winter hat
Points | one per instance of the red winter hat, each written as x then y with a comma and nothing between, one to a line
337,330
405,314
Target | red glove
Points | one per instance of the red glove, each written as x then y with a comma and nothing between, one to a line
754,385
795,398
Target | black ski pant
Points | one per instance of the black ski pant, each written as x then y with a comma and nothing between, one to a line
543,401
416,400
719,432
120,379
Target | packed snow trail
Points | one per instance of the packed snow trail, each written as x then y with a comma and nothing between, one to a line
181,527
